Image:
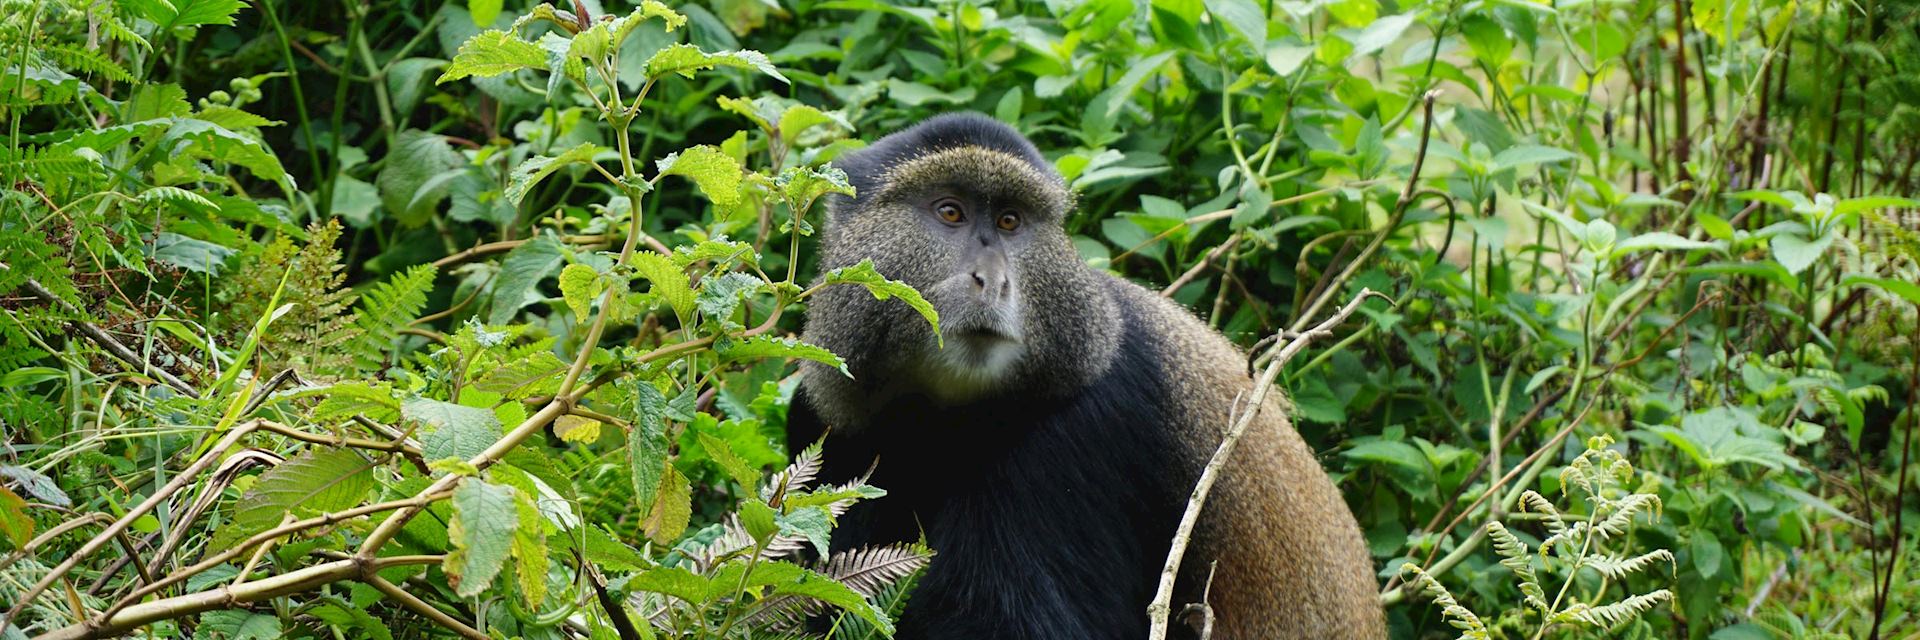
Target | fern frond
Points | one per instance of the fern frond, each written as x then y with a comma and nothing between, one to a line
1459,617
1617,567
87,60
1623,512
1515,556
805,467
386,309
1533,502
1611,615
178,197
874,568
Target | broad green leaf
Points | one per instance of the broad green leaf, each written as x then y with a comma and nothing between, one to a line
1285,59
187,253
408,185
1713,438
1716,227
520,275
673,581
450,430
580,285
1796,252
799,118
1661,240
1382,32
485,521
1525,155
36,484
352,621
1244,17
1903,288
204,140
801,186
685,59
319,480
1392,453
758,520
603,549
729,462
536,374
492,53
1856,205
531,171
863,274
724,251
1770,197
716,173
761,347
667,279
1707,552
168,14
720,295
237,624
647,444
484,11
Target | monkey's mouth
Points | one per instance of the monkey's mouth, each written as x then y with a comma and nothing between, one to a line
982,335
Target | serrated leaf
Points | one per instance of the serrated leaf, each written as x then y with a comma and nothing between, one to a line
865,275
647,445
531,171
716,173
537,373
729,462
720,295
520,275
319,480
235,624
758,520
199,139
801,186
579,285
673,581
16,527
1796,252
485,519
763,347
1902,288
667,280
685,59
352,621
530,550
36,484
725,251
672,508
450,430
491,53
1525,155
167,15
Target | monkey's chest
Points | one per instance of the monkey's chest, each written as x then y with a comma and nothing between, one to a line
1046,524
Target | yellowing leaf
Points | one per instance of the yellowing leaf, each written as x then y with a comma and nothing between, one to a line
579,285
576,429
668,281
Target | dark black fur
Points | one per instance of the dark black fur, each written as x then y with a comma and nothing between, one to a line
1050,516
866,167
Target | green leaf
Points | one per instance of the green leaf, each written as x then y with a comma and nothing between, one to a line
536,374
36,484
673,581
667,279
729,462
408,188
758,520
485,519
763,347
1795,252
483,11
720,295
187,253
450,430
1244,17
1713,438
1903,288
204,140
167,15
1285,59
1525,155
1661,240
491,53
685,59
1707,552
647,445
865,275
531,171
1392,453
716,173
580,285
319,480
520,275
1379,34
801,186
1856,205
234,624
350,620
672,508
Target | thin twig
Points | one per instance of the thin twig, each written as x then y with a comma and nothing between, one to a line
419,606
1200,266
1161,607
107,342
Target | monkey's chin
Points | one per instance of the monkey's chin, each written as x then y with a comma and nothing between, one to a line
970,365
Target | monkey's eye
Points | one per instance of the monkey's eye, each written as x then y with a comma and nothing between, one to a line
949,211
1008,221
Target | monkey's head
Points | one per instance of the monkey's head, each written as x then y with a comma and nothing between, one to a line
965,210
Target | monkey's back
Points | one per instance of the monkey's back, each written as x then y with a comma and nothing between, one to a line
1292,562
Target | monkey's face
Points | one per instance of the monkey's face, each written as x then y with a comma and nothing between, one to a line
976,232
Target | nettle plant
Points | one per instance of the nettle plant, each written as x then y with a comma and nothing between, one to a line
459,495
1581,558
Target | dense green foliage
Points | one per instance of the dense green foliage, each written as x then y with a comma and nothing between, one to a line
329,303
